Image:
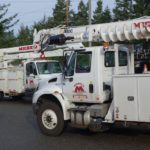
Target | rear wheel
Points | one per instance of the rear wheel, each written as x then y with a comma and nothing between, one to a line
1,95
17,98
50,119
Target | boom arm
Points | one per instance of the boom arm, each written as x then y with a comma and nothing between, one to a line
25,52
109,32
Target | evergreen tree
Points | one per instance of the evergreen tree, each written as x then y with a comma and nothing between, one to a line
141,8
81,18
71,18
97,16
7,38
59,13
44,23
106,15
49,23
25,36
123,10
10,39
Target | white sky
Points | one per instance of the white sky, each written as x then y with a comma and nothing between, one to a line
30,11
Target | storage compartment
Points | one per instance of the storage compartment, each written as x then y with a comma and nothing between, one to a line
132,97
3,78
11,80
15,81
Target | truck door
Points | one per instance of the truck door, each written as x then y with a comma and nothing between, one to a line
79,78
31,76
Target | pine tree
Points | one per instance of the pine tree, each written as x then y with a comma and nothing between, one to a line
141,8
24,36
123,10
97,16
81,17
7,38
106,15
71,18
44,23
59,13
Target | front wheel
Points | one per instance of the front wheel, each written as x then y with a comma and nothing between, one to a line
50,119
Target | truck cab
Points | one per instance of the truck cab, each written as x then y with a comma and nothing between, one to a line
26,76
38,70
84,92
89,73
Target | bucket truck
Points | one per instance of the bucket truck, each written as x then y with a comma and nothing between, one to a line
98,87
21,69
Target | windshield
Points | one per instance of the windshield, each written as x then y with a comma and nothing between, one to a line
48,67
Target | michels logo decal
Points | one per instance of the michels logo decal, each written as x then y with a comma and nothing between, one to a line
25,48
79,88
28,47
80,93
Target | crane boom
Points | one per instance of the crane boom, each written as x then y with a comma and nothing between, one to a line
26,52
135,29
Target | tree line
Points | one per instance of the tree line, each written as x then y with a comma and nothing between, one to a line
123,10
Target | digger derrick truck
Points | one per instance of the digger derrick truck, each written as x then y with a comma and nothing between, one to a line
21,70
98,87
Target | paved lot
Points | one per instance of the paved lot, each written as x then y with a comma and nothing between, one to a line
19,131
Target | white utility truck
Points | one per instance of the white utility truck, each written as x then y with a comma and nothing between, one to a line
21,69
98,87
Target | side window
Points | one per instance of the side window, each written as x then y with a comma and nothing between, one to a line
109,59
123,60
31,69
28,69
34,71
83,62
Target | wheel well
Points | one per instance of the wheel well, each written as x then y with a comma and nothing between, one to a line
48,98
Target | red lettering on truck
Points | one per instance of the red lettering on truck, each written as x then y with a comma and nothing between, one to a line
142,24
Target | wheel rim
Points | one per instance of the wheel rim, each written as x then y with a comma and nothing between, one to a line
49,119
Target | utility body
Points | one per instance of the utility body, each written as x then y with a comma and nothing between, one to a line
98,87
21,69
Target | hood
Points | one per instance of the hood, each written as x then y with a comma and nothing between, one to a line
48,76
50,79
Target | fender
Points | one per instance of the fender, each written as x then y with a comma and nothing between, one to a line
55,91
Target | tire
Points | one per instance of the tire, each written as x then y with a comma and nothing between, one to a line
17,98
1,96
50,119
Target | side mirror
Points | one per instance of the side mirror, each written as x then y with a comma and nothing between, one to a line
65,64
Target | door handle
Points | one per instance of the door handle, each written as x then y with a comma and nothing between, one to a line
91,88
70,79
130,98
